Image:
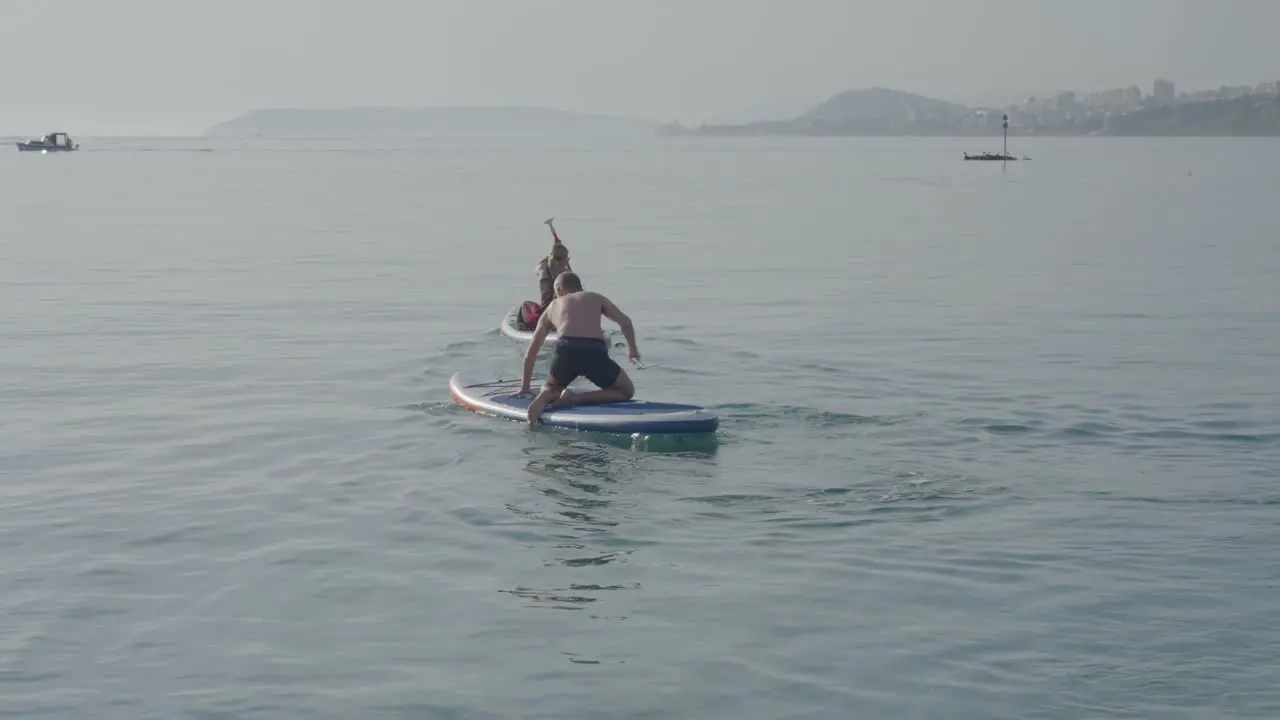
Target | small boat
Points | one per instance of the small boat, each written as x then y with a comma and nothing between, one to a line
53,142
1002,156
989,156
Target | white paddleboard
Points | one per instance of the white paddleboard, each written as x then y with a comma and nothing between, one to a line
499,399
510,326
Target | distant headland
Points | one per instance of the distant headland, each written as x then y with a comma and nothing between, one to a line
1228,111
419,122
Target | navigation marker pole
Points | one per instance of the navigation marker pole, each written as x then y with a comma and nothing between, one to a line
1006,137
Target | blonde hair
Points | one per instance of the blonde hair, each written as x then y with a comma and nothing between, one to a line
558,252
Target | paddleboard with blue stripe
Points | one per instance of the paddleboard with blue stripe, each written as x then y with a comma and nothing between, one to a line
499,399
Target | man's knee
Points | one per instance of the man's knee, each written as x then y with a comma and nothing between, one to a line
624,385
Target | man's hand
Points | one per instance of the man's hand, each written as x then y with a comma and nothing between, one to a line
633,354
525,389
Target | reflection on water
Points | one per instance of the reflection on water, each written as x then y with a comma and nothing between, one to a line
692,444
579,491
578,481
570,598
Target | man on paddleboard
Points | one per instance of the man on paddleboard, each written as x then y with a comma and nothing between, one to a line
581,349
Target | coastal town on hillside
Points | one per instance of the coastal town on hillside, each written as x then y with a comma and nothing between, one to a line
1066,111
1243,110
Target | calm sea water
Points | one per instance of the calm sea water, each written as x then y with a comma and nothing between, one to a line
997,442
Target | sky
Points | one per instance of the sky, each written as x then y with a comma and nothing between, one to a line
175,67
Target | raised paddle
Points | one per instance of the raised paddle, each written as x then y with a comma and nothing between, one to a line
550,222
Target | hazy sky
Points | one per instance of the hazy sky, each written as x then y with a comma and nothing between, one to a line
177,66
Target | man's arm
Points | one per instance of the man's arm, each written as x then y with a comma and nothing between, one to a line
531,355
611,311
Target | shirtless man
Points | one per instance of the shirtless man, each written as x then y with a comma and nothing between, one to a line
581,349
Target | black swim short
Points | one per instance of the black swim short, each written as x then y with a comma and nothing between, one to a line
588,357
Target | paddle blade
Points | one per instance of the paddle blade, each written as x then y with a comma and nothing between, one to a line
548,222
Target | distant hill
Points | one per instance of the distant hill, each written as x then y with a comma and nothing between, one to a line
879,104
361,122
873,111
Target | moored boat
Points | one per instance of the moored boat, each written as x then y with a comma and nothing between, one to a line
1002,156
989,156
52,142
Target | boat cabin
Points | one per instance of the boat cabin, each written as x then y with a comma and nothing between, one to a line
56,140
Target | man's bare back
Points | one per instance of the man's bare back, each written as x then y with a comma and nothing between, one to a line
578,314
